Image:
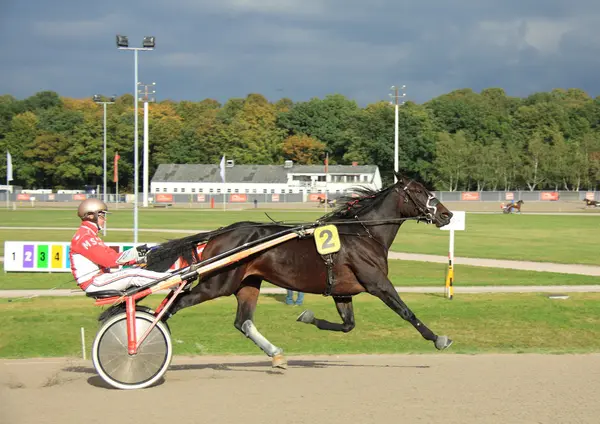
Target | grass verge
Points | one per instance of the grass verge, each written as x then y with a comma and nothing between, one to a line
499,323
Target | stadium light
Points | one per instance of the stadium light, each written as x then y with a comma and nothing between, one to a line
148,44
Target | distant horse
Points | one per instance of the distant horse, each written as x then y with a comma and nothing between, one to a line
593,203
512,207
330,202
367,226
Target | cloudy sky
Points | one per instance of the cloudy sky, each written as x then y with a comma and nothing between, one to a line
299,48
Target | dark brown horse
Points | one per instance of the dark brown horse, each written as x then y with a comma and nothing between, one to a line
592,203
330,202
367,226
513,207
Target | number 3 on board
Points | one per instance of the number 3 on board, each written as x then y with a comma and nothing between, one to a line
327,239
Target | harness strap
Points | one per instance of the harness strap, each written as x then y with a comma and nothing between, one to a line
369,233
330,277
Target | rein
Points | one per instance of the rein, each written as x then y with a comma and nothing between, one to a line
427,212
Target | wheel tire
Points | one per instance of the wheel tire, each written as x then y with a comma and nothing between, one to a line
123,371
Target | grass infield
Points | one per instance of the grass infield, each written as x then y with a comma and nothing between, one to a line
401,273
569,239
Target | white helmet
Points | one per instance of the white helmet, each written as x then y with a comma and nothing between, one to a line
89,209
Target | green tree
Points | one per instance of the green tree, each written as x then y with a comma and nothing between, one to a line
451,160
326,120
536,163
303,149
21,137
258,139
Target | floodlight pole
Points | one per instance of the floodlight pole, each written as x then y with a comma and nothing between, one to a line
395,96
135,137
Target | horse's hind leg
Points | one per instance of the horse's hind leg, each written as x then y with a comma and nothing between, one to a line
247,297
345,309
387,293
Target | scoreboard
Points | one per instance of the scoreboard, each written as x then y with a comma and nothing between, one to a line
46,256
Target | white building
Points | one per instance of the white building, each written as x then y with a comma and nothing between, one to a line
263,179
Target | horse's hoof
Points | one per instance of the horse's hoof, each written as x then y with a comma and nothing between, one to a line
442,342
306,317
279,361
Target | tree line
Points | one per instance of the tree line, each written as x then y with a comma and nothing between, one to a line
462,140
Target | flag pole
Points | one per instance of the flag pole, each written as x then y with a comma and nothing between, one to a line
326,173
116,178
9,176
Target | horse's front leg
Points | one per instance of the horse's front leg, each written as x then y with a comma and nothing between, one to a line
384,290
344,308
247,297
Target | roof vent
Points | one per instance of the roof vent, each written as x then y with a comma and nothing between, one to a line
229,163
288,164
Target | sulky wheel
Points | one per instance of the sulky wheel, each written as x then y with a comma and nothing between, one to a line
123,371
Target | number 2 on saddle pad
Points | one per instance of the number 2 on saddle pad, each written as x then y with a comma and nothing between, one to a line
327,239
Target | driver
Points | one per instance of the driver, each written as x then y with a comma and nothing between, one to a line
92,260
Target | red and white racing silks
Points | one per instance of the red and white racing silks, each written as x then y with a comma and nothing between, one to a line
89,255
92,260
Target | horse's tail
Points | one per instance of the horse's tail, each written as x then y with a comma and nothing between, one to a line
161,256
165,254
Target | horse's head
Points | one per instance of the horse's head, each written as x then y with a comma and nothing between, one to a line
417,201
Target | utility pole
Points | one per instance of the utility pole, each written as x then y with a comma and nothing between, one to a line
147,96
396,102
98,99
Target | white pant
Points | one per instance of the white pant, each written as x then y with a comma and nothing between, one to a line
121,280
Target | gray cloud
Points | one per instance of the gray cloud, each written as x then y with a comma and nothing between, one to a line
300,48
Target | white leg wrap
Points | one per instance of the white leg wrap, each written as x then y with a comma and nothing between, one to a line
259,340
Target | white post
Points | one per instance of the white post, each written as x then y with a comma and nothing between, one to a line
451,249
135,150
450,275
146,164
224,181
83,343
7,192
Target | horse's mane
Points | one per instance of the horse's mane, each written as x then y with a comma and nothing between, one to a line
352,206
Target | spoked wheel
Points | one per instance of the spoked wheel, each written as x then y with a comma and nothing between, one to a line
124,371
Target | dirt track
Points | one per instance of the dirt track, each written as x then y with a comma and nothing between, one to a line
441,388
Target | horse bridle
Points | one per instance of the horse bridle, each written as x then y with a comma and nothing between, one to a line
429,209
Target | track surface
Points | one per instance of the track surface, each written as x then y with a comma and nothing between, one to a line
438,388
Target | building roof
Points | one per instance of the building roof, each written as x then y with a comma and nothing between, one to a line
248,173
